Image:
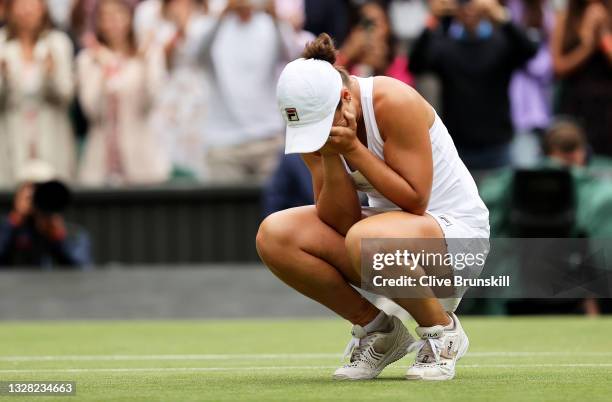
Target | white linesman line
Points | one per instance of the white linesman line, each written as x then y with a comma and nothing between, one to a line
297,356
278,368
288,356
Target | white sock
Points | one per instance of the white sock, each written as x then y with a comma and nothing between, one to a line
380,323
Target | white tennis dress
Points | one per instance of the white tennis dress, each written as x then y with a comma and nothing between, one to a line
454,201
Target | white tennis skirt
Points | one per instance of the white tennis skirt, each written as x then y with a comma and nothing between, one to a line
460,238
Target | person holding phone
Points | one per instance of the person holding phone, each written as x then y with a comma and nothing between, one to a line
372,48
474,48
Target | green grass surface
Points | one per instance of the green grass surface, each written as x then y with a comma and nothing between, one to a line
524,359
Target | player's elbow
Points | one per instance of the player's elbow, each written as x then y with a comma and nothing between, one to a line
416,205
341,222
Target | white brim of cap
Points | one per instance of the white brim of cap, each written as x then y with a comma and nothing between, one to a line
308,138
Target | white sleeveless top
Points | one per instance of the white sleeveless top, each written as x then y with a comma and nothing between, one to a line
453,192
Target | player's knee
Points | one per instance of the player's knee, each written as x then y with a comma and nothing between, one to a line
355,236
274,233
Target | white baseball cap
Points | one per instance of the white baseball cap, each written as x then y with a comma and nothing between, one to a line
308,94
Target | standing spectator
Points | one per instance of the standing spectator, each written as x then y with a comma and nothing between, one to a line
117,85
36,88
83,20
293,12
328,16
371,48
531,86
179,115
474,51
582,55
2,12
59,12
150,22
242,53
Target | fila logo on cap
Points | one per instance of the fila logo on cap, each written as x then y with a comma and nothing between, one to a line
292,114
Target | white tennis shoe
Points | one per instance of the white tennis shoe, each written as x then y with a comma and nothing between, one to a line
437,352
371,353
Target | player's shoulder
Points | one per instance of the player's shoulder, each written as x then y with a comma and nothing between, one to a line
392,98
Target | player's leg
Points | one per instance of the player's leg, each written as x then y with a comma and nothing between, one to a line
443,340
311,257
395,225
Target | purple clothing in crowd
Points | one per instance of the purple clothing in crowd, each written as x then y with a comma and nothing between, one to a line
531,86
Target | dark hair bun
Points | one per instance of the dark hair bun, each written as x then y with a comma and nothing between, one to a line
322,48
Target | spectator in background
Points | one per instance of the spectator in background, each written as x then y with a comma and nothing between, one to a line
290,186
292,11
474,49
153,22
328,16
243,53
371,47
36,88
2,12
565,143
116,88
83,20
582,55
35,233
179,115
531,86
59,12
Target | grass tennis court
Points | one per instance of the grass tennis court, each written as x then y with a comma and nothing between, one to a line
518,359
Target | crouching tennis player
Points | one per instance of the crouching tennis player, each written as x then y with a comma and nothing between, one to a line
380,136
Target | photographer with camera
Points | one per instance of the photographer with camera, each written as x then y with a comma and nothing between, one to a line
35,234
474,48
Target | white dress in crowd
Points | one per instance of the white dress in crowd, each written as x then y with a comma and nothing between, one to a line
116,94
180,109
34,119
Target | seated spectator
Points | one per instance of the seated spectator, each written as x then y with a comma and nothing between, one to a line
35,233
532,86
243,53
474,48
117,85
565,146
290,186
582,56
180,111
371,47
36,88
565,143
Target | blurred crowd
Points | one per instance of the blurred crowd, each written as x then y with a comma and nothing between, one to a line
128,92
